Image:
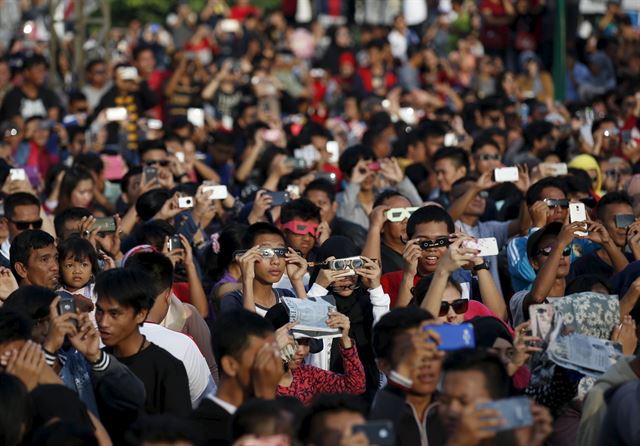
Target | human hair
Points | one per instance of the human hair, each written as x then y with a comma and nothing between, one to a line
24,244
406,139
229,241
260,418
90,161
58,433
231,333
457,156
432,129
351,156
14,326
160,428
321,185
490,365
595,126
300,209
139,49
422,288
149,145
150,203
128,287
32,60
485,141
30,300
428,214
393,324
69,214
77,248
257,229
92,63
586,282
18,199
313,427
126,179
535,191
385,195
620,197
536,130
15,410
70,181
154,233
157,265
578,180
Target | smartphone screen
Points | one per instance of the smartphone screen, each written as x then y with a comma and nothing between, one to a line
454,337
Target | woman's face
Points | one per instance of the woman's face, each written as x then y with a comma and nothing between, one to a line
504,349
301,353
270,269
450,295
344,287
82,194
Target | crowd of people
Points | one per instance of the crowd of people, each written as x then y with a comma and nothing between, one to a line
166,211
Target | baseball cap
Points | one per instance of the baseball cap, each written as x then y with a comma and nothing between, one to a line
534,239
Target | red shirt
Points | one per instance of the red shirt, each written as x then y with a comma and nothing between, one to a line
241,12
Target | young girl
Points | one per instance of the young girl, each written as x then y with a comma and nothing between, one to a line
78,267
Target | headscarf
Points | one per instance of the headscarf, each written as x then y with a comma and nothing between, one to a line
606,78
487,329
586,163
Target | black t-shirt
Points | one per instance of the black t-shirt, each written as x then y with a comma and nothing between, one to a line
591,264
16,103
391,260
165,380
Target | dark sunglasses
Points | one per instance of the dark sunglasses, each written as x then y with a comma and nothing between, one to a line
487,157
151,163
426,244
24,225
589,202
547,251
553,203
615,172
460,306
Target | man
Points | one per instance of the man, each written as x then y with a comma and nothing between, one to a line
34,259
331,419
539,138
405,355
124,301
22,211
31,98
322,193
68,222
449,165
472,377
153,153
619,425
245,348
610,258
97,84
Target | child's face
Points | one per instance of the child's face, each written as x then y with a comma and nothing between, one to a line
75,274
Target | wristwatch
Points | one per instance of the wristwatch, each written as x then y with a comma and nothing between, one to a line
482,266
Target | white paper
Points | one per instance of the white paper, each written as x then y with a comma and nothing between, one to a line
312,314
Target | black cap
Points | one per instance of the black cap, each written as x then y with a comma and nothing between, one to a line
534,239
278,315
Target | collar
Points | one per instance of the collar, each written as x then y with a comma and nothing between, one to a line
226,406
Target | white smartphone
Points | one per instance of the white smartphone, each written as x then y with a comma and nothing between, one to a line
556,169
293,189
450,139
487,246
154,124
196,116
334,150
185,202
180,156
577,212
17,175
116,114
128,73
506,175
216,192
229,26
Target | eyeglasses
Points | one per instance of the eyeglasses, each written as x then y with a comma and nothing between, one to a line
151,163
399,214
547,251
265,252
460,306
616,172
487,157
437,243
553,203
301,228
24,225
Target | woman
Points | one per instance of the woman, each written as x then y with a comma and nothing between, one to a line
591,166
534,82
359,297
76,189
305,381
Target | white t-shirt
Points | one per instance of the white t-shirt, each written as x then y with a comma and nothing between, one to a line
182,347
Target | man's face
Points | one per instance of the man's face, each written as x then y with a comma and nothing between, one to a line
303,243
36,74
487,159
448,173
396,231
42,267
133,188
618,235
335,424
433,143
270,269
477,206
115,322
24,217
558,213
146,63
541,256
430,256
247,358
98,75
461,389
493,118
321,199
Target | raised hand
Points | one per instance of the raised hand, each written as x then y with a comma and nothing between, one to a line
59,327
267,371
370,273
26,364
87,339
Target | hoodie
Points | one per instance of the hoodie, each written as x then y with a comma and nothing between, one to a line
594,408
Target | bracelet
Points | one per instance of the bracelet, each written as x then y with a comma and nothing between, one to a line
480,267
102,363
49,357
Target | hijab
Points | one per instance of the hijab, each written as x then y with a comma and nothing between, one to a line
587,162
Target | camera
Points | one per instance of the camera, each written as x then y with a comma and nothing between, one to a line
346,263
185,202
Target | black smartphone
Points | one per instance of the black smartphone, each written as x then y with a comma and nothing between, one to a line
105,224
626,136
67,304
379,432
279,198
175,243
150,174
624,220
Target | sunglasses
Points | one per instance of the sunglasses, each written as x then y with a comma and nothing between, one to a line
553,203
399,214
547,251
426,244
151,163
460,306
487,157
589,202
301,228
615,173
265,252
24,225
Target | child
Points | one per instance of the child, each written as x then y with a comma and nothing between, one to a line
78,267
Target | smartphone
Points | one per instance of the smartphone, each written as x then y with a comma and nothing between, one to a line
229,26
330,176
378,432
116,114
128,73
334,151
175,242
374,166
293,189
279,198
17,175
577,212
454,337
105,224
556,169
297,163
624,220
179,156
541,317
185,202
150,174
487,246
216,192
154,124
271,135
626,136
66,304
317,72
450,139
506,175
196,116
515,412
